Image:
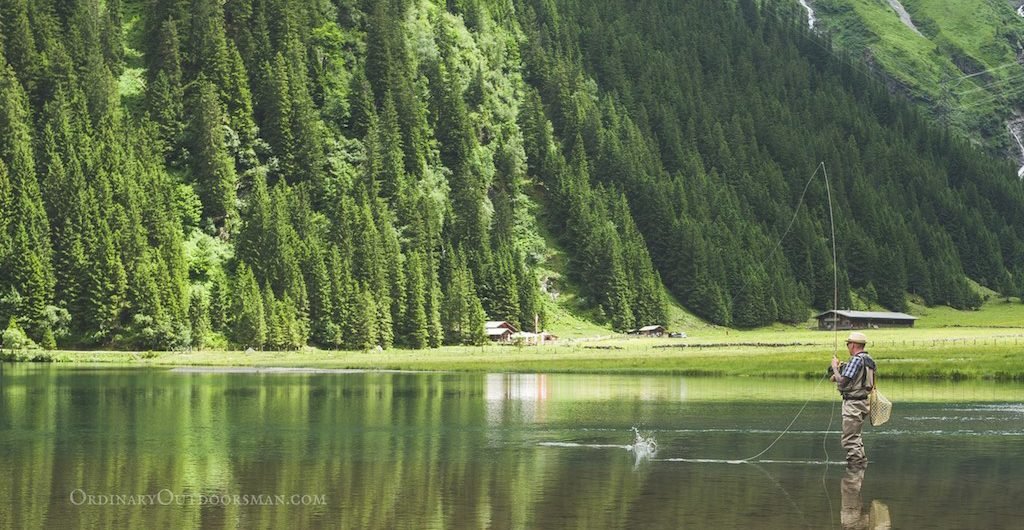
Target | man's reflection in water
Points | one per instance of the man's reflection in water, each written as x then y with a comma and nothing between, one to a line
853,515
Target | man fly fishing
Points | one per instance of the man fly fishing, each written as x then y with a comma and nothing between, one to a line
854,380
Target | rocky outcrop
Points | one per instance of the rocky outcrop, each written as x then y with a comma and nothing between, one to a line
904,16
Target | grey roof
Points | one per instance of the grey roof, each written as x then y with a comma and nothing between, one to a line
870,314
651,328
496,332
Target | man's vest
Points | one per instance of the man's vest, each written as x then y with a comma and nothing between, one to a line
861,384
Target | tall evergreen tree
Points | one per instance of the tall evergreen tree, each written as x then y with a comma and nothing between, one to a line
415,325
212,166
462,313
248,320
113,37
199,319
164,93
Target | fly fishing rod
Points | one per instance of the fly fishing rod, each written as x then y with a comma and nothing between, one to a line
835,307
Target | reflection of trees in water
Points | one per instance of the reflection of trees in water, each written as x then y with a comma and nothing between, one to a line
853,514
431,450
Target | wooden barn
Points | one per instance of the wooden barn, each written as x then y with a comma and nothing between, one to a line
499,330
843,319
649,331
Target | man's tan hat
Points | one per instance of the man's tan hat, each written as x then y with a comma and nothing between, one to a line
858,337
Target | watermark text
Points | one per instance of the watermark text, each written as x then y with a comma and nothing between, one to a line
166,497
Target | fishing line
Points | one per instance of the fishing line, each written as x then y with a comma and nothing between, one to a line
824,473
786,430
835,305
789,227
835,335
991,84
835,264
989,70
789,497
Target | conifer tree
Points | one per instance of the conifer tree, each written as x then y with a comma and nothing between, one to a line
164,93
105,286
63,186
391,167
207,43
395,265
344,293
462,313
362,332
531,301
18,44
199,318
156,14
113,38
307,129
25,200
272,319
252,244
29,280
361,105
248,320
416,332
238,101
212,166
324,329
143,294
502,286
220,302
275,115
433,304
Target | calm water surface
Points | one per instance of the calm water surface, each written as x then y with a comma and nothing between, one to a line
110,447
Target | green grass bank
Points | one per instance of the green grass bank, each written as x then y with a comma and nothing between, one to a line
946,344
950,354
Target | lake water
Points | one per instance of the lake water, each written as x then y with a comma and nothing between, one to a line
103,447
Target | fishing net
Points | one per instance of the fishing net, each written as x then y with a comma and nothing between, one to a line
878,517
880,408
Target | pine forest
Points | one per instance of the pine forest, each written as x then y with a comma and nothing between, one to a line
352,174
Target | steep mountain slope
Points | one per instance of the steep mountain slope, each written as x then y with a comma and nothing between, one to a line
711,120
959,59
344,173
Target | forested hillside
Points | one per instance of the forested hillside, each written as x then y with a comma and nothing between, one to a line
346,173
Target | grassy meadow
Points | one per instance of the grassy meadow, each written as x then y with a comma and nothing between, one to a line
945,344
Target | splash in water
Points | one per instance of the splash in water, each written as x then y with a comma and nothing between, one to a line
643,447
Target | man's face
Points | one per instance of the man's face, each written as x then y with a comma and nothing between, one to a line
851,347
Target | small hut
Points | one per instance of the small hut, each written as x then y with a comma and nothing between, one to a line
499,330
650,331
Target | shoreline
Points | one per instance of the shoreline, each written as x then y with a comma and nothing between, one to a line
918,354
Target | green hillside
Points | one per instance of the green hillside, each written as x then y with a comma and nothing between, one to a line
961,64
360,173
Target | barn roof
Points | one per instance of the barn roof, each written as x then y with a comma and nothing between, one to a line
499,324
497,332
869,315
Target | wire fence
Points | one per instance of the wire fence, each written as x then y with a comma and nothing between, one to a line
967,341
